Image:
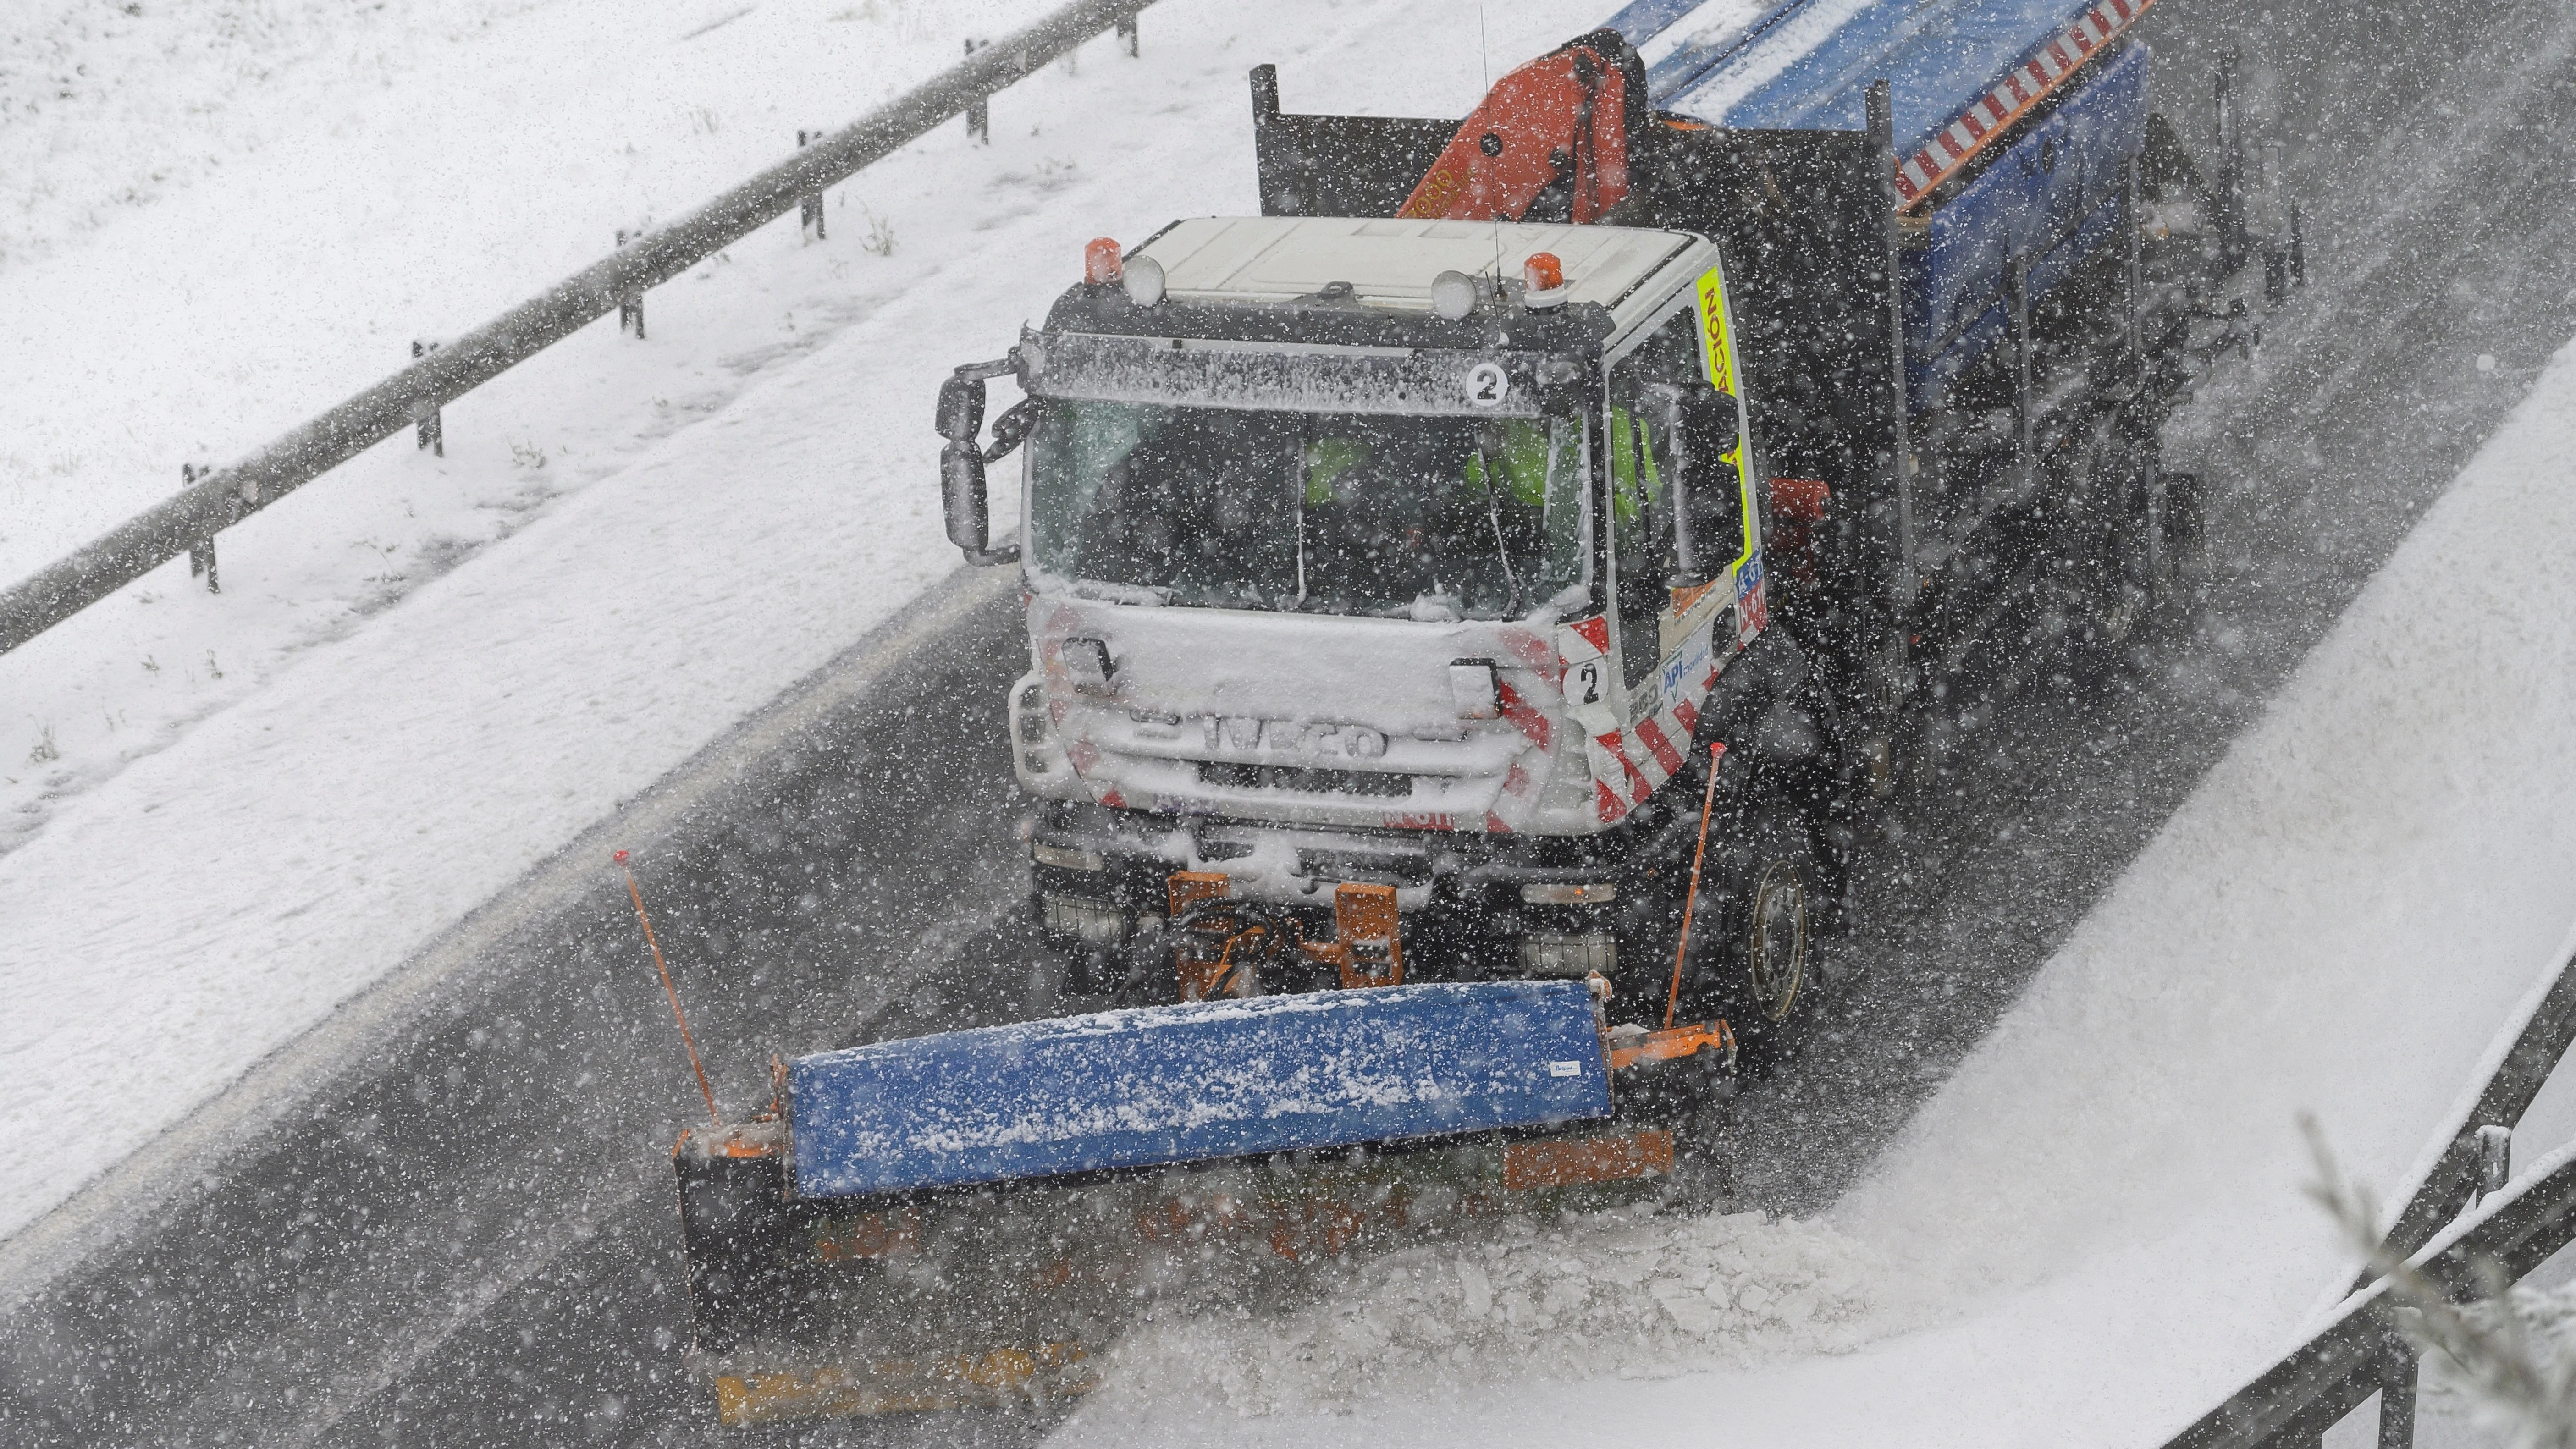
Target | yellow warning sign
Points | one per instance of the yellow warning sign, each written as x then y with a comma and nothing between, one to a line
1717,350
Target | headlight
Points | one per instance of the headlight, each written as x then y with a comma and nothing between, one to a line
1556,953
1064,858
1569,893
1093,923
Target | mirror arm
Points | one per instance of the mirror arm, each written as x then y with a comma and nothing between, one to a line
1012,428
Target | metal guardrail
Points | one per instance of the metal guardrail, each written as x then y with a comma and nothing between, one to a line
2514,1225
218,499
2453,1183
2365,1351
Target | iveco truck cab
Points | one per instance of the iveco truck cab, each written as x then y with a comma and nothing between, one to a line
1399,552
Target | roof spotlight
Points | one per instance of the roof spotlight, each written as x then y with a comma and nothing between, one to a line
1453,295
1144,279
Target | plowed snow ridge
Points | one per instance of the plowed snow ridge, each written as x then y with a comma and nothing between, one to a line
2095,1229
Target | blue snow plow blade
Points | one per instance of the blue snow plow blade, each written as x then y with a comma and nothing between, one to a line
1189,1083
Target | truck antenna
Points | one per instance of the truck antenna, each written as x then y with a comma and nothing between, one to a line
673,992
1485,59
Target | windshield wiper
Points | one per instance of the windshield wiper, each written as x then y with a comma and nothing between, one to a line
1494,516
1297,491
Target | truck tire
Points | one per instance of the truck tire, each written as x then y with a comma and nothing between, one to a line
2108,644
1064,983
1704,1148
2185,554
1758,969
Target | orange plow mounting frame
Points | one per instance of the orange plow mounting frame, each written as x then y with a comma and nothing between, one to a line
1664,1046
1219,952
1365,947
1203,951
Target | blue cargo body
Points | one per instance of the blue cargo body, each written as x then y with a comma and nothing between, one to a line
1195,1082
2055,197
1808,66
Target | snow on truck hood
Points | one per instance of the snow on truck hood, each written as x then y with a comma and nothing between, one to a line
1204,701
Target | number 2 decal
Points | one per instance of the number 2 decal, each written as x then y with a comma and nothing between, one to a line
1486,385
1587,679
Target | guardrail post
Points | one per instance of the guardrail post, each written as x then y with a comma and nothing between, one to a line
428,427
630,304
1127,32
201,553
979,115
2397,1400
809,212
2495,1161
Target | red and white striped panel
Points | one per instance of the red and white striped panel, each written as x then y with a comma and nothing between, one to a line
1519,795
1630,764
2022,89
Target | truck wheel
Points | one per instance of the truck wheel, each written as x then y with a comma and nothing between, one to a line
2185,550
1062,983
2109,642
1068,982
1775,946
1759,972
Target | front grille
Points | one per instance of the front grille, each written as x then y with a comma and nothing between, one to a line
1408,869
1307,781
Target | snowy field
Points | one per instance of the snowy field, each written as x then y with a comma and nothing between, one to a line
222,217
426,675
2096,1229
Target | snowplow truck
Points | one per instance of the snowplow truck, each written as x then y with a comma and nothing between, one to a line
1475,609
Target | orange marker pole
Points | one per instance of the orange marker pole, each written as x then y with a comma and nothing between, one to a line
1690,902
673,992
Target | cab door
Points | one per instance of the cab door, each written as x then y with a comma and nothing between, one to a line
1685,534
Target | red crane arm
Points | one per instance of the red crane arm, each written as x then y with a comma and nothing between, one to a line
1550,142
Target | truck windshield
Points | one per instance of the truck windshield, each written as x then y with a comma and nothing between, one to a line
1401,517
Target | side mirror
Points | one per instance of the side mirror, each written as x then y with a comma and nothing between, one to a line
961,462
961,493
961,407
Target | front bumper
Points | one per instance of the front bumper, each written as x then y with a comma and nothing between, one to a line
1471,907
